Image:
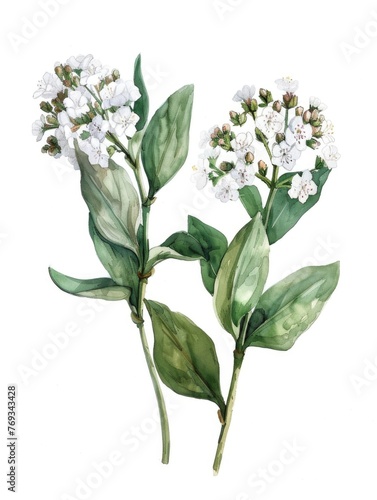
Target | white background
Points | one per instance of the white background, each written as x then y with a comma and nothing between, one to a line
75,410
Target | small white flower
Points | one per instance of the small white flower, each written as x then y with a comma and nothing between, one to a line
242,144
119,93
93,74
93,148
98,128
205,137
243,174
327,131
317,103
298,133
210,153
285,155
76,104
122,119
227,189
245,94
79,62
331,155
48,87
270,122
200,175
38,127
302,187
287,84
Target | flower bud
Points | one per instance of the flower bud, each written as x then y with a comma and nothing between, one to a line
262,167
315,115
279,137
52,140
67,83
276,106
59,71
249,157
316,131
226,166
67,68
226,128
51,120
115,74
46,107
45,148
233,115
253,105
290,100
216,132
111,150
306,116
213,144
75,128
221,142
299,111
263,93
54,150
242,118
313,143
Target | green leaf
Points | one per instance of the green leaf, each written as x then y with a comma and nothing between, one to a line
242,275
141,107
121,263
112,200
290,307
165,143
98,288
185,355
251,200
287,211
134,144
214,245
180,245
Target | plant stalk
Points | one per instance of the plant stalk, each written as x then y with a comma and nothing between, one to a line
237,363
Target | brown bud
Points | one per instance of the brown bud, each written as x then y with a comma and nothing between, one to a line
262,167
299,111
315,115
249,157
276,106
307,116
279,138
59,71
67,83
68,69
316,131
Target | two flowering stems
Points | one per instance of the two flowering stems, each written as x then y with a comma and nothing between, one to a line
94,116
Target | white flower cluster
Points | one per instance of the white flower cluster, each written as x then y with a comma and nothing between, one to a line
88,103
284,137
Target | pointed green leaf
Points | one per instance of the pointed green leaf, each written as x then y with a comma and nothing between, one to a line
165,143
121,263
242,275
112,200
185,355
180,245
291,306
141,107
214,245
251,200
98,288
287,211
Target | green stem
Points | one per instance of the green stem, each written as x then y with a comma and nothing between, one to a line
154,376
146,206
237,363
271,195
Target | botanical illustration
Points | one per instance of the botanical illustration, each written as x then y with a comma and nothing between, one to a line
273,156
